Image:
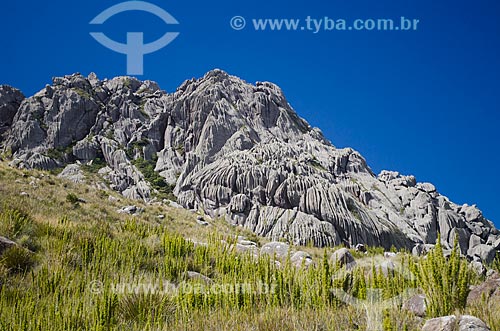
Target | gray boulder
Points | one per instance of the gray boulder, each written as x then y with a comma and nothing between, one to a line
72,172
360,248
426,187
343,257
131,210
86,150
246,248
34,161
490,288
471,323
201,221
416,305
422,249
243,245
485,252
301,258
445,323
279,250
451,323
247,242
496,244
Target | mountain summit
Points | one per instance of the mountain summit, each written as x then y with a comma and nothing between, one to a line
233,150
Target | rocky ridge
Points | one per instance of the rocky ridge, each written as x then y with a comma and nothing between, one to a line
234,150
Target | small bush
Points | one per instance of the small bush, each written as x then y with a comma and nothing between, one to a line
13,223
17,259
147,168
495,265
72,198
445,281
19,226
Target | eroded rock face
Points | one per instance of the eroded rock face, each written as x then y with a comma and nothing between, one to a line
10,100
237,151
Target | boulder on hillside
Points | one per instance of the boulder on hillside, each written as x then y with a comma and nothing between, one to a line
490,288
278,249
72,172
343,257
416,305
452,323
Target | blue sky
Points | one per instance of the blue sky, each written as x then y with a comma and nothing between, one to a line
422,102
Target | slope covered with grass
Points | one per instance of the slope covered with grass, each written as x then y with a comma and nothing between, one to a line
80,265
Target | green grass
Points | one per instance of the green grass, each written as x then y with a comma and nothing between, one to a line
95,166
82,93
19,226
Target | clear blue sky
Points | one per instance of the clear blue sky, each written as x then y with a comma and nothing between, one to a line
425,102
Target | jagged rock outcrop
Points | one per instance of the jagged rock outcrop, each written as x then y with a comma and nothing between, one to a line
237,151
10,100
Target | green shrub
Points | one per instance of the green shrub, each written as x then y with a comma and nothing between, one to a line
147,168
17,259
14,223
495,265
60,152
72,198
19,226
445,282
95,166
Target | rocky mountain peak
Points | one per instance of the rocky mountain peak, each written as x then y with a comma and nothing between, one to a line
234,150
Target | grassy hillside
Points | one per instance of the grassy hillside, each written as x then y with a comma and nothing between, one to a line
80,265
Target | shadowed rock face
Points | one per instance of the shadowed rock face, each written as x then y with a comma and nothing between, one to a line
241,152
10,100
